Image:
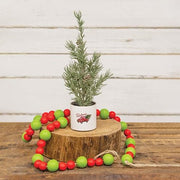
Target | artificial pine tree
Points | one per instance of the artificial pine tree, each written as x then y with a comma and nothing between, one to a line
82,76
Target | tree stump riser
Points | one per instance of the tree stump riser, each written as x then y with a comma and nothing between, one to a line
66,144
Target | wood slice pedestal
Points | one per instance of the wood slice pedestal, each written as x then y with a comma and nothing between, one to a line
66,144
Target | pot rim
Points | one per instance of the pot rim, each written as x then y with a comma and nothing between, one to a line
74,104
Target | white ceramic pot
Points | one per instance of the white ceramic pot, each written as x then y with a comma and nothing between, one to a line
83,118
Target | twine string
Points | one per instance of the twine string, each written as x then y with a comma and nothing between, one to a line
114,153
151,165
117,159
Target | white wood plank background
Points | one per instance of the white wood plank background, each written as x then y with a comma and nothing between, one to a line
139,40
122,66
101,13
107,41
123,95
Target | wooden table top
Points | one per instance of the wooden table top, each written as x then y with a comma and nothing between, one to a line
155,143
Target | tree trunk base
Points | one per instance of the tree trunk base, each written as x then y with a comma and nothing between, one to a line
66,144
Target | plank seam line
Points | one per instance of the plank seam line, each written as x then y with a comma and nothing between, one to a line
120,77
88,27
125,114
56,53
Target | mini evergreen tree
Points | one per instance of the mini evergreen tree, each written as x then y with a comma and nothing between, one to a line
82,76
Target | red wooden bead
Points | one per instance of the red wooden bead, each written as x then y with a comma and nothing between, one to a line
42,166
127,132
41,143
67,120
67,112
27,137
130,153
129,137
39,150
50,127
51,112
37,163
112,114
71,164
91,162
62,166
131,145
44,119
56,124
51,117
97,112
45,114
99,162
30,132
117,118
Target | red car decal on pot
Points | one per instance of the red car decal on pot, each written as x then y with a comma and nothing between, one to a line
83,118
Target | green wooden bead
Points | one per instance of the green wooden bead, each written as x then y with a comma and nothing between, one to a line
126,157
63,121
45,135
36,125
131,149
123,126
37,117
58,113
81,162
108,159
52,165
104,114
130,141
22,137
37,157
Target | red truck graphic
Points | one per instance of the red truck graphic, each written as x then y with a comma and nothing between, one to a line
83,118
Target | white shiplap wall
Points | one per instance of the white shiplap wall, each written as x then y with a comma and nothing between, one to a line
139,41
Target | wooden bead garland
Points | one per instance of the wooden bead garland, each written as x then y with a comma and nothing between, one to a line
108,156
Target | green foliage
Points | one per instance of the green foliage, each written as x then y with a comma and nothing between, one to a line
81,76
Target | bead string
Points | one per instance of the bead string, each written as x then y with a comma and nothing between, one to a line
61,121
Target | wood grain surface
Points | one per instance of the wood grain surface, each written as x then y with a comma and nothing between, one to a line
156,143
